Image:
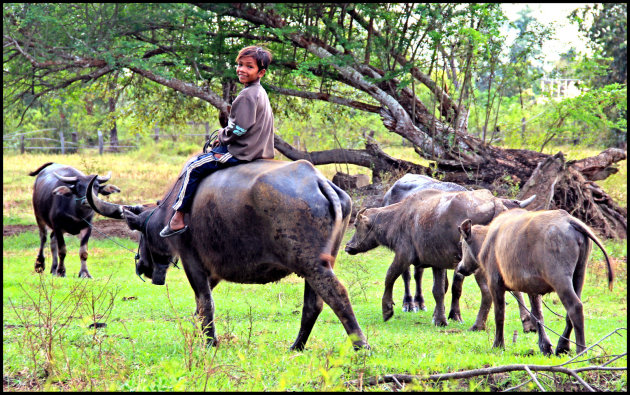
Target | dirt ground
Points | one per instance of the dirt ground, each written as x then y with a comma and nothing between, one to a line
101,229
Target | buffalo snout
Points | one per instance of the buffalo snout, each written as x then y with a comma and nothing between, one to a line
463,269
351,249
159,275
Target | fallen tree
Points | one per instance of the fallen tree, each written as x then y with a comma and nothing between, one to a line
557,384
556,183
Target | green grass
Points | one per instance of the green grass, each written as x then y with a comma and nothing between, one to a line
149,343
146,344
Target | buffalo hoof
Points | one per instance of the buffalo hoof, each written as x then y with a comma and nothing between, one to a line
560,351
422,307
439,322
455,316
361,346
563,347
410,307
529,325
546,349
477,328
84,275
388,311
39,266
59,273
212,342
498,344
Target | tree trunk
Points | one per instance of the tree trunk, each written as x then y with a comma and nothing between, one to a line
113,133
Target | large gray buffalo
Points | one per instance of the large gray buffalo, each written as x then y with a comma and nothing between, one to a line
59,203
422,230
403,187
252,223
535,252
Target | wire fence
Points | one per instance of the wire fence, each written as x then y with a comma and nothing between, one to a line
68,143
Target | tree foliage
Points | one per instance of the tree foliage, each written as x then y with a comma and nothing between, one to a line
418,67
607,33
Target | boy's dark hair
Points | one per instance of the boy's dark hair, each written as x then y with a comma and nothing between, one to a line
262,55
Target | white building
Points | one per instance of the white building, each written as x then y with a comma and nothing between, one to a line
560,88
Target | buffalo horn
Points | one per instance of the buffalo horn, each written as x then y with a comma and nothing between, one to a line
69,180
526,202
104,208
106,178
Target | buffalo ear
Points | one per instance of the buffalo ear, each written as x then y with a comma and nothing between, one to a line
62,190
465,228
107,189
133,221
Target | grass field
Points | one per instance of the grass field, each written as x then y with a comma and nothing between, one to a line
150,341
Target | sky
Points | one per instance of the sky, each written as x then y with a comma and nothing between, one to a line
555,14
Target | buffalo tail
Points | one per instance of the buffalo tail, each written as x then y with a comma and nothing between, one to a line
585,230
36,172
335,234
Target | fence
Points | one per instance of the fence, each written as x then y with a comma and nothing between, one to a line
21,142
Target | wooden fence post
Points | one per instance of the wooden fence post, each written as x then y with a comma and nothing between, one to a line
157,134
63,142
207,124
22,143
75,142
100,143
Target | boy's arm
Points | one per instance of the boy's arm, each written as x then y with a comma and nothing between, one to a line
242,118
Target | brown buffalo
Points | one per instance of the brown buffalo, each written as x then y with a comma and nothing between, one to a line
422,231
408,185
535,252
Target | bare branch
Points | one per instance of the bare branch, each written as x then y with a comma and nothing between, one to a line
326,97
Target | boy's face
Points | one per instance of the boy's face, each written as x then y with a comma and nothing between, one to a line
247,70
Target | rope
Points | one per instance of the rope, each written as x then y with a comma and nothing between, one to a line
540,323
106,235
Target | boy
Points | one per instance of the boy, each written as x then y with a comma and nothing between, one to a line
248,135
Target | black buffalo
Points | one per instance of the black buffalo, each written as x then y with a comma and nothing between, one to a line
59,204
253,223
405,186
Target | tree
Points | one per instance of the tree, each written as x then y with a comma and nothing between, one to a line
413,64
608,33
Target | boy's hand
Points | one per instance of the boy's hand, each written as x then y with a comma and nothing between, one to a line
211,143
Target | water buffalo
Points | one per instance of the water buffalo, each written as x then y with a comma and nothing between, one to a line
535,252
252,223
405,186
59,204
422,230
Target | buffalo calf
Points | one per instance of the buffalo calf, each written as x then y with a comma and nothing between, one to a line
422,231
534,252
405,186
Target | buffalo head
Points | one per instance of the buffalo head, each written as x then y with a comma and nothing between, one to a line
472,237
364,239
77,186
154,255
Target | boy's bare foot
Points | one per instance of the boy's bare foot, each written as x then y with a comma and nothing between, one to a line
175,226
177,221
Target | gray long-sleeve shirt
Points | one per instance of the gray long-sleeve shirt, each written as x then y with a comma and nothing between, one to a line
249,134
